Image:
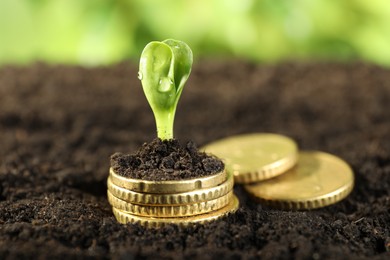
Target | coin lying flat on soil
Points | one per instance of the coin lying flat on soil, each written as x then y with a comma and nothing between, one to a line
255,157
190,197
319,179
164,187
123,217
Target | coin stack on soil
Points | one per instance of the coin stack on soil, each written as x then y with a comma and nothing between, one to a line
276,174
182,202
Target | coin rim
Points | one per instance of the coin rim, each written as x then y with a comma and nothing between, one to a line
309,203
163,187
320,202
170,210
171,199
267,171
150,222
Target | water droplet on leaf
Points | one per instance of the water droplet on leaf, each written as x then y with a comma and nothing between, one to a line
165,84
140,75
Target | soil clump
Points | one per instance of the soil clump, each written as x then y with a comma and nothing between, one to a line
166,160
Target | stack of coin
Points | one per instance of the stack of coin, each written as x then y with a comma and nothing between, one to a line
156,203
276,174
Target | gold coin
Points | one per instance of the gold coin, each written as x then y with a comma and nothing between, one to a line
190,197
318,180
168,210
255,157
151,222
168,186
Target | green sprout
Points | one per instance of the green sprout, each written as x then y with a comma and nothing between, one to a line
163,70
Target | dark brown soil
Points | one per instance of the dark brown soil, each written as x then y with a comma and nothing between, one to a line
59,126
166,160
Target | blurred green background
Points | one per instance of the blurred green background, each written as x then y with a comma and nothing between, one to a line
100,32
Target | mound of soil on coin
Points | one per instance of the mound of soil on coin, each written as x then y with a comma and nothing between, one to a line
59,126
163,160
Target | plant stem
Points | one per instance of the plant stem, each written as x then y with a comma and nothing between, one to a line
164,123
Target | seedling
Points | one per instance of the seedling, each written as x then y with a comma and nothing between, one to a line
163,70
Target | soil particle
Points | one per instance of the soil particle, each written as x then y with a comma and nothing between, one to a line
163,160
59,126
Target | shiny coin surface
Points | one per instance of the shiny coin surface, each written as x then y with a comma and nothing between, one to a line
168,186
190,197
123,217
318,180
255,157
168,210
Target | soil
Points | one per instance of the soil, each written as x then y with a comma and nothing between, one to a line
59,125
165,160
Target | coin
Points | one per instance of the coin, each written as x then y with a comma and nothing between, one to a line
123,217
255,157
318,180
190,197
168,186
169,210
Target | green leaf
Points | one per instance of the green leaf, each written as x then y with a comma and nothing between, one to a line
182,62
164,69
